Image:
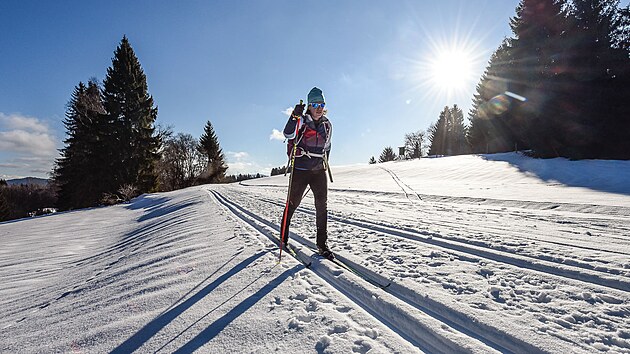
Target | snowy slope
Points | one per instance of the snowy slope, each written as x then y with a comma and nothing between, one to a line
492,253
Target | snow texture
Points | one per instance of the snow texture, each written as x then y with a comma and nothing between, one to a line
468,254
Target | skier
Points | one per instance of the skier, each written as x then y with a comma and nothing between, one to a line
310,163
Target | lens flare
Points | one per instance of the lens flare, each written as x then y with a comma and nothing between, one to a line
499,104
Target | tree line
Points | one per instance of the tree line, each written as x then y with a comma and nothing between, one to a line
556,88
18,201
114,151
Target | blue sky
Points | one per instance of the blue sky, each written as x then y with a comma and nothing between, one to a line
387,68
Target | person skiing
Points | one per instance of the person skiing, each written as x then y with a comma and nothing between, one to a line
310,163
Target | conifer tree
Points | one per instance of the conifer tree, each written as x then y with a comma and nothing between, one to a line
487,132
387,155
448,135
5,211
539,27
600,75
570,61
372,160
77,172
210,148
438,133
457,144
131,140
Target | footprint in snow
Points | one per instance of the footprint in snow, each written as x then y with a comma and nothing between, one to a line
371,333
323,343
312,306
337,329
344,309
299,297
396,260
361,346
486,273
296,324
305,318
375,259
495,292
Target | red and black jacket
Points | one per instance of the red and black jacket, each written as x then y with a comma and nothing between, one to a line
313,140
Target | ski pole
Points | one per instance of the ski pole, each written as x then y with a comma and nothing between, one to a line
286,207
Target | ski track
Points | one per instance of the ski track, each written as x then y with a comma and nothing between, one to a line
490,333
431,331
611,210
551,267
458,223
563,271
405,188
490,236
494,237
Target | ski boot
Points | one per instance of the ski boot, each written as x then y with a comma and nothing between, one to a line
325,252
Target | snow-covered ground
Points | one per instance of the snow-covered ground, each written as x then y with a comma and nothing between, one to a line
491,253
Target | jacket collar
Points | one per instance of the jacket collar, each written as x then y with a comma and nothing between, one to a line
309,119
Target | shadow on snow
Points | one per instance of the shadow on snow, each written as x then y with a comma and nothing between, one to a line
612,176
153,327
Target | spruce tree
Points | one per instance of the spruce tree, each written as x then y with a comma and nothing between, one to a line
457,144
372,160
448,135
600,75
210,148
438,133
78,171
539,27
5,211
387,155
131,141
488,132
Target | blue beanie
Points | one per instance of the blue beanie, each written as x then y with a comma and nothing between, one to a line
316,95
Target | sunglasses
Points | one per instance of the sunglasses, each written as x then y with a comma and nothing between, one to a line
317,105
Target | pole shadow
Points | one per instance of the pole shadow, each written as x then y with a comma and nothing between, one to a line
153,327
217,326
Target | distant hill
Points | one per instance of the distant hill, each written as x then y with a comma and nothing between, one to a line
28,180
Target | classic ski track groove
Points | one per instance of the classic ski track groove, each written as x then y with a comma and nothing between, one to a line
407,190
487,229
612,210
454,224
573,272
461,322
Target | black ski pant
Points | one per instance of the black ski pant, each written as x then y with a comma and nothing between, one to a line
319,185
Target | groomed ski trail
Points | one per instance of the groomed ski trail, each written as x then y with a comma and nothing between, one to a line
426,323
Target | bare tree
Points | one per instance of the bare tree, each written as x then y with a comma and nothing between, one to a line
182,162
414,144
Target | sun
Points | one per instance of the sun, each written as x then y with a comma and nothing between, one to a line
444,67
451,69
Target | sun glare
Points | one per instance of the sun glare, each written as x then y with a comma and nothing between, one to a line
445,67
451,69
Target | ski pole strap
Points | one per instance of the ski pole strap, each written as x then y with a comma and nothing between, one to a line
308,154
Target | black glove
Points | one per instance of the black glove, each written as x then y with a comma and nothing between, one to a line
298,110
